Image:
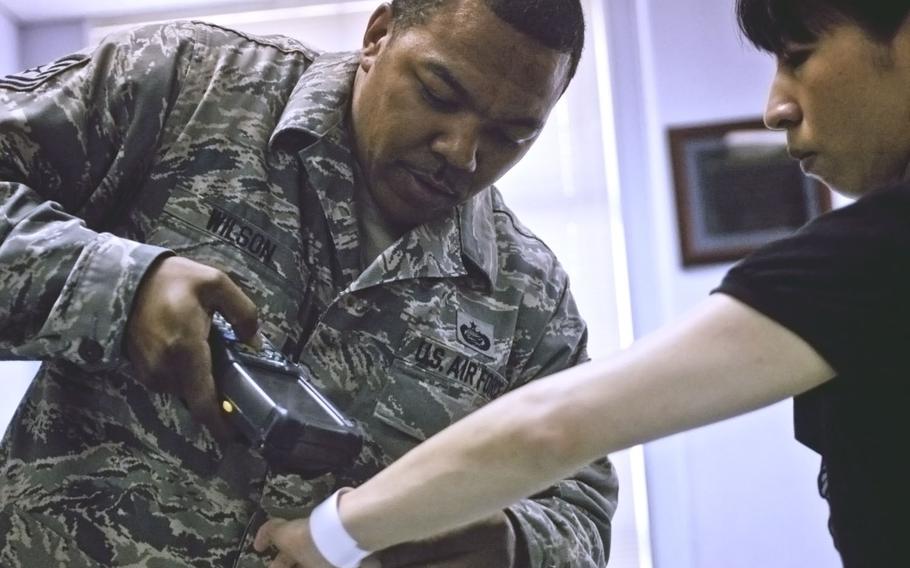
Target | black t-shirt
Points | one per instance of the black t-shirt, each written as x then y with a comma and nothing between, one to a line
842,283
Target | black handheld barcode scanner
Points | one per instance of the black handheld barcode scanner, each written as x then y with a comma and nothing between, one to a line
277,410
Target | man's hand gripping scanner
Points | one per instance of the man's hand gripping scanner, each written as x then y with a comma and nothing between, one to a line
276,409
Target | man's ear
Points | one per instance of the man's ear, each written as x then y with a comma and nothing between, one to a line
377,35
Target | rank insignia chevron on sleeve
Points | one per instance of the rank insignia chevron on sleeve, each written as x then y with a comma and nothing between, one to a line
33,78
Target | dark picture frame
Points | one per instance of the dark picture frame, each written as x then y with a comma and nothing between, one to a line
737,189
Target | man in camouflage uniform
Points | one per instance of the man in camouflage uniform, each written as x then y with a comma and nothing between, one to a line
186,168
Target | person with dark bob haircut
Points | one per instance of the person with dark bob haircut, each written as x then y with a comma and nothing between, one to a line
822,316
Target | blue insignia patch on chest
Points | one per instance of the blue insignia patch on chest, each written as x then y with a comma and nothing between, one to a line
476,334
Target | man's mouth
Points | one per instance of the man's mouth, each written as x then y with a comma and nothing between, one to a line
432,183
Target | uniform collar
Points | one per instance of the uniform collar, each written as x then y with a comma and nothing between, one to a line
318,106
478,233
320,99
441,248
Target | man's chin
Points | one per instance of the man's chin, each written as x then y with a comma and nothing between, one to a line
410,222
403,219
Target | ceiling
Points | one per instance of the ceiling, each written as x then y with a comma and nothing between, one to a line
32,11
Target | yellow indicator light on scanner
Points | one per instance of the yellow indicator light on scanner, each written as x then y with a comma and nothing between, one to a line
227,406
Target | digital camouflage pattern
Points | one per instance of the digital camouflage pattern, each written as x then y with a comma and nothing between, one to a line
232,150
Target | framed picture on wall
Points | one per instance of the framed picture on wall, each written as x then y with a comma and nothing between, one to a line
737,189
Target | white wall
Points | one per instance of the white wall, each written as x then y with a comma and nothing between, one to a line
45,42
9,44
740,493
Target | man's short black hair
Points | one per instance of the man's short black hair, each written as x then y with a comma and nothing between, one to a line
771,25
557,24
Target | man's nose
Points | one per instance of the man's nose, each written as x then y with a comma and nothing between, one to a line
458,145
782,111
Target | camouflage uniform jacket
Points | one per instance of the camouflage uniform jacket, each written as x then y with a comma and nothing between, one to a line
232,150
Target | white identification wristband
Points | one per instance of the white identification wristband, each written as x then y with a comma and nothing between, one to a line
330,537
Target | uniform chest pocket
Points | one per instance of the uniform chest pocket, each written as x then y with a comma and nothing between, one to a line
418,403
223,238
265,267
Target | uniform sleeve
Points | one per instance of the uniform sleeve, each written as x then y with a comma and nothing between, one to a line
569,524
76,139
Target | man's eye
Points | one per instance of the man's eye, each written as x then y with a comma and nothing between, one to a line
509,140
436,101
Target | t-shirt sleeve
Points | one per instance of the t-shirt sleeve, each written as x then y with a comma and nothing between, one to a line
841,283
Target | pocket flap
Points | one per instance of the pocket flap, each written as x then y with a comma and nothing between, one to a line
421,404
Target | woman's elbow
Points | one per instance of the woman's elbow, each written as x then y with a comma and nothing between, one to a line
543,431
